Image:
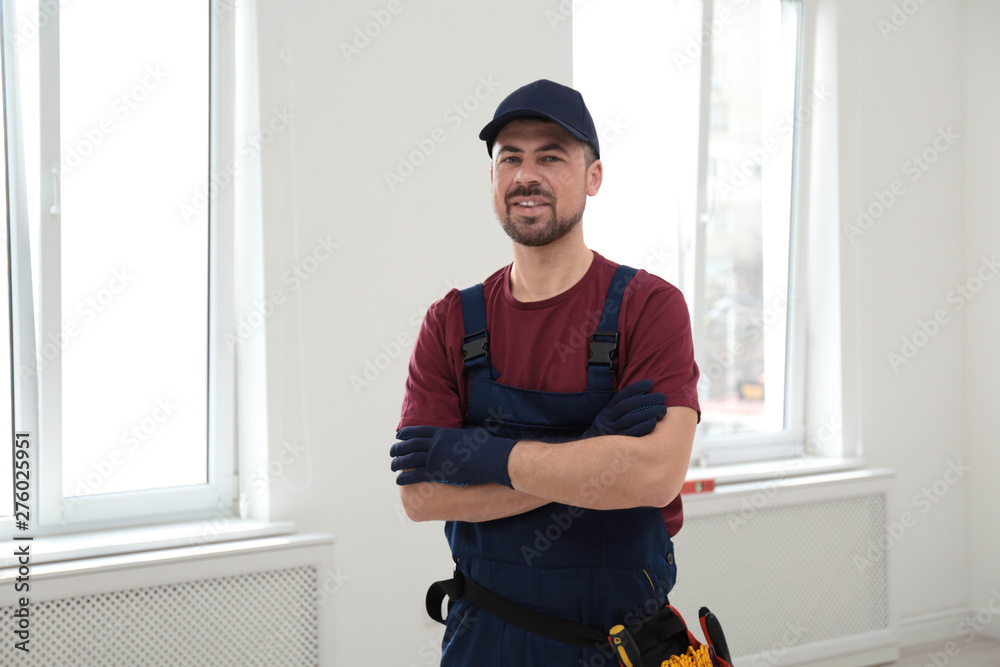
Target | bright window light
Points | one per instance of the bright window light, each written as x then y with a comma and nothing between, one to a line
699,186
134,95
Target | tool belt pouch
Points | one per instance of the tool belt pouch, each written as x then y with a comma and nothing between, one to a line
664,640
657,641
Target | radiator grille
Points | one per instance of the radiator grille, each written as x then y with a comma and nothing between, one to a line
264,618
773,593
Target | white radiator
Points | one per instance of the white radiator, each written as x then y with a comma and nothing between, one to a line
795,569
257,616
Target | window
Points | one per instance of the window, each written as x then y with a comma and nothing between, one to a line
701,185
120,369
6,406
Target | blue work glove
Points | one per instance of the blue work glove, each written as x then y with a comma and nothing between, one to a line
632,411
459,456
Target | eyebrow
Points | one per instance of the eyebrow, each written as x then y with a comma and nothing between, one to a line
553,147
544,149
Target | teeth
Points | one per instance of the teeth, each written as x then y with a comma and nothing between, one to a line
530,203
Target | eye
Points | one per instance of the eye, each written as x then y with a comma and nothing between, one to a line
510,159
552,158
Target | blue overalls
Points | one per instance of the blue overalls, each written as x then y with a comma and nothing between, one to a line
594,567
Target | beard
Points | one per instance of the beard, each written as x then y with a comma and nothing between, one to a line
541,230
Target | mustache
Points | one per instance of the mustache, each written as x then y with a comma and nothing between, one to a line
528,191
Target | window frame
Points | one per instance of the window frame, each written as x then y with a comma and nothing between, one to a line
790,442
18,249
37,395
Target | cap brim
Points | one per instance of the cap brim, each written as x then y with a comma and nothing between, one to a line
492,129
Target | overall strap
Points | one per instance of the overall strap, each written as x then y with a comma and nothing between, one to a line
604,341
476,343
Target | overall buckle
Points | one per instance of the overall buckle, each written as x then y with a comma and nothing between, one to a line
476,345
601,351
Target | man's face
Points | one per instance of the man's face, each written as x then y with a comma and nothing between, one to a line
540,181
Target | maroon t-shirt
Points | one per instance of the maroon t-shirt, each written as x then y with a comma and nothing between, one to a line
544,346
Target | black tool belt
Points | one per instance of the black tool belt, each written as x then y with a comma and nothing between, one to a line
552,627
656,638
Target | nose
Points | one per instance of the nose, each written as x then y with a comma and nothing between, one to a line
527,173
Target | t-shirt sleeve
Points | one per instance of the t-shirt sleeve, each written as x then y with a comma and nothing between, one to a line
432,396
659,346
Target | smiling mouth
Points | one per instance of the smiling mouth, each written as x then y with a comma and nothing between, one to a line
529,204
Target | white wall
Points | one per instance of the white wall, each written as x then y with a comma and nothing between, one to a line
899,88
982,354
914,72
399,250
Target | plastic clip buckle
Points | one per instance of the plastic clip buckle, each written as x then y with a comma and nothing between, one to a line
601,351
475,345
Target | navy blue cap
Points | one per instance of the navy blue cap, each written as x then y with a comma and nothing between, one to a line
544,99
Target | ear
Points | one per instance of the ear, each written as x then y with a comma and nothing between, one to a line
595,176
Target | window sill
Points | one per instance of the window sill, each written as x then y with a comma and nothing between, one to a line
196,536
745,493
771,470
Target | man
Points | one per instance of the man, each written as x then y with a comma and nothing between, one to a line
530,424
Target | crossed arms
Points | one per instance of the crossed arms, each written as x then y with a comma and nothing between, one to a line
605,472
